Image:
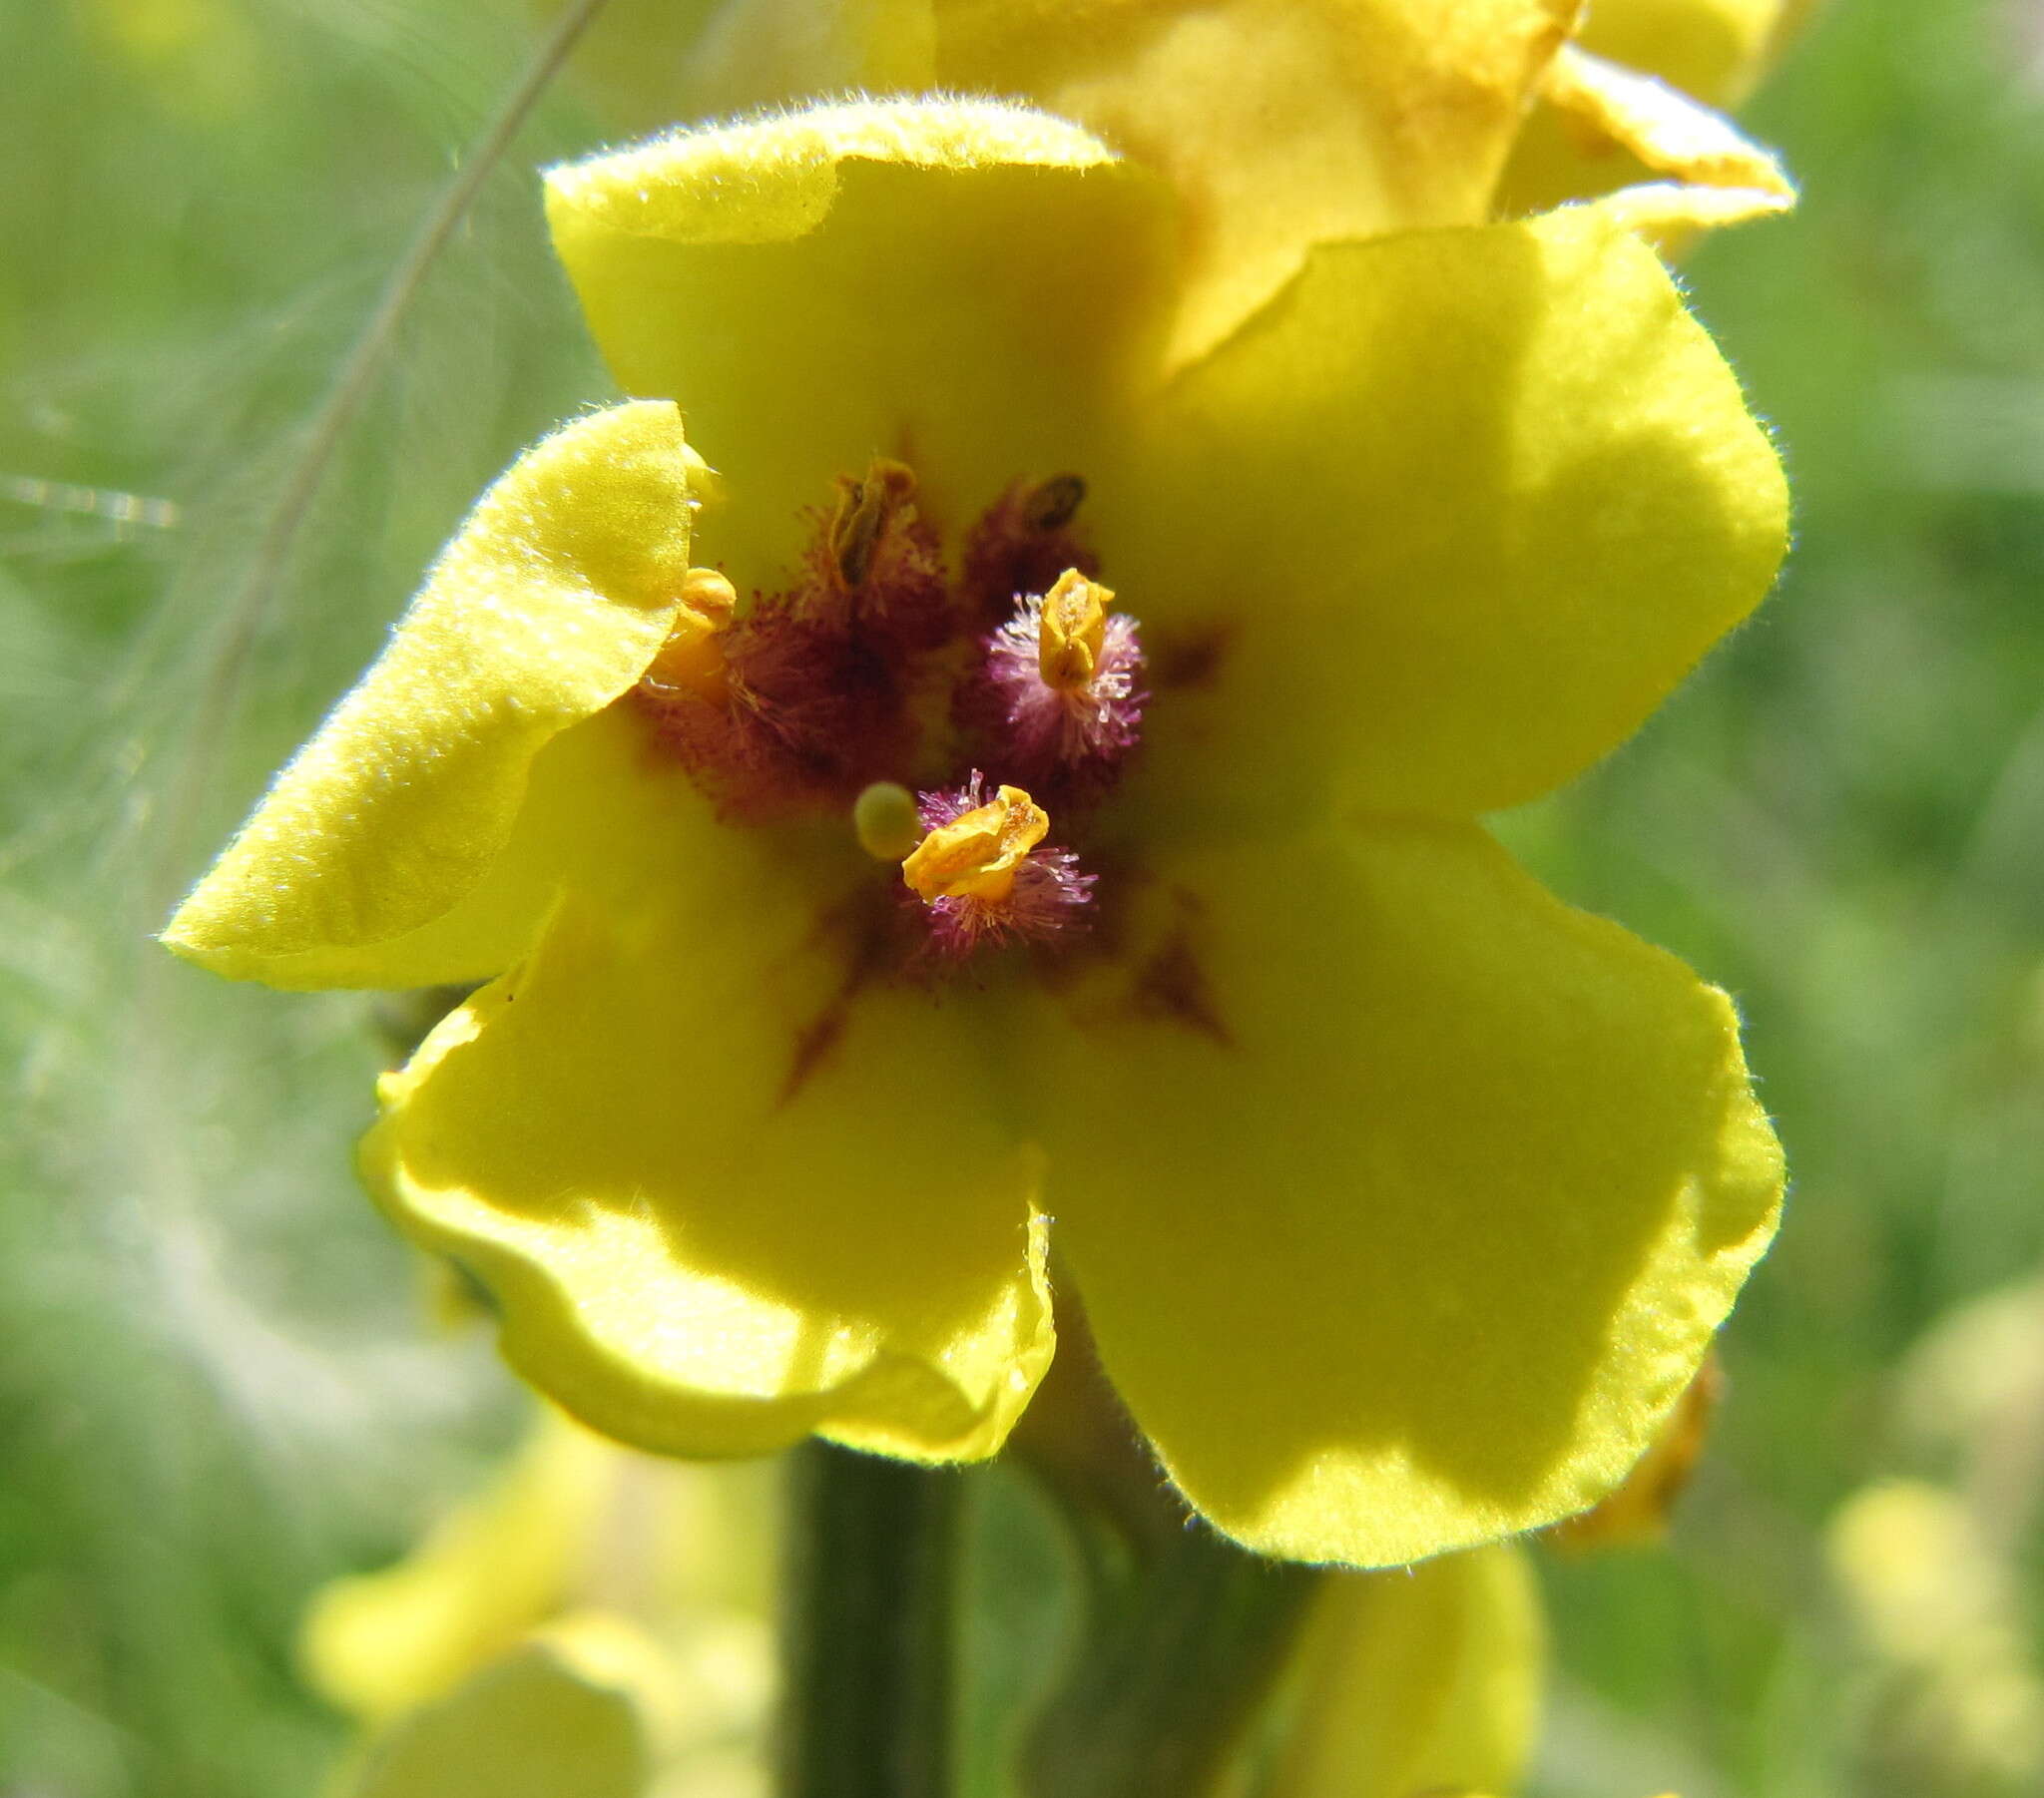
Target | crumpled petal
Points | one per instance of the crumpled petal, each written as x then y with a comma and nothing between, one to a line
724,1194
1716,175
1437,529
546,607
1421,1679
1403,1199
960,285
1600,125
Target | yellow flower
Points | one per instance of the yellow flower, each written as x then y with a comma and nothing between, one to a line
1936,1598
572,1708
593,1618
1403,1199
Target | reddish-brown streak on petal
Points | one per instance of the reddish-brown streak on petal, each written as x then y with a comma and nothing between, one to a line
1177,662
1171,985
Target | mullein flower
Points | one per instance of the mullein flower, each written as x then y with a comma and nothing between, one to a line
1403,1199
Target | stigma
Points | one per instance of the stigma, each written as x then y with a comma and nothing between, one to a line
983,870
885,821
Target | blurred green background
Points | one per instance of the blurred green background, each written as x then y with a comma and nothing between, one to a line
217,1384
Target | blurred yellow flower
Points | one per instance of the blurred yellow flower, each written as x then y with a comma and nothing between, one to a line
1404,1200
593,1621
1959,1695
569,1709
197,59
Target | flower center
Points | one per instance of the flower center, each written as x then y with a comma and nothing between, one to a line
884,677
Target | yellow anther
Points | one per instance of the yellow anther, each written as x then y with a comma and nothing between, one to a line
692,658
976,857
884,818
864,510
1074,627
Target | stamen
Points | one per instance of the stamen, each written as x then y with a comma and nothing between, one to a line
1074,627
984,872
878,568
1050,505
1021,544
1062,673
692,659
886,823
975,856
864,510
809,690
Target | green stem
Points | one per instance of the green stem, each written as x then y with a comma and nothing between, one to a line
1176,1669
868,1642
1186,1636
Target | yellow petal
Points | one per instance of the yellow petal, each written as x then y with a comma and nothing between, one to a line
1639,1511
549,602
1667,212
1669,132
1446,520
724,1194
1403,1199
1280,123
1714,49
555,1716
381,1643
1716,176
1424,1679
1708,53
959,285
